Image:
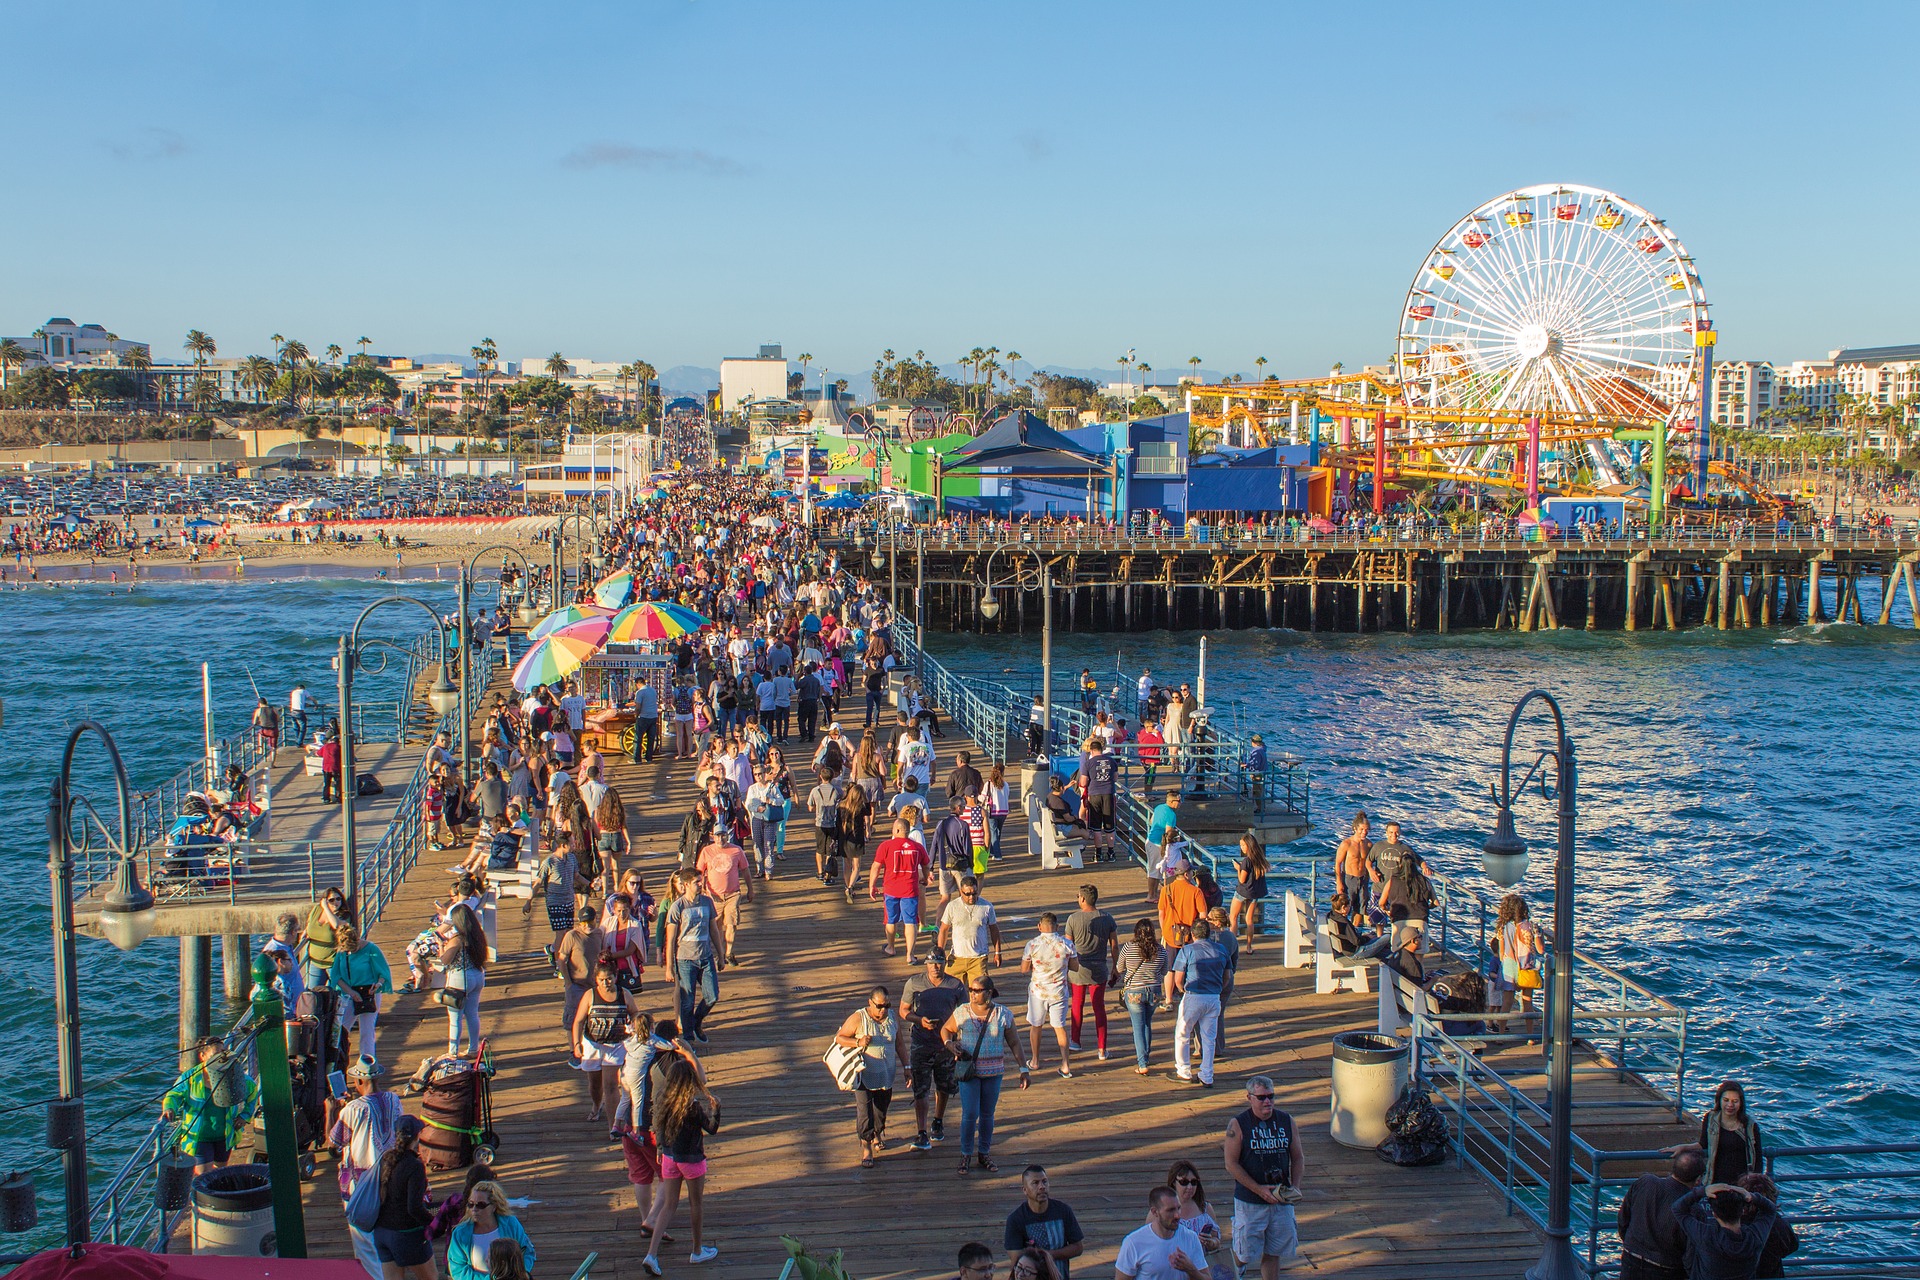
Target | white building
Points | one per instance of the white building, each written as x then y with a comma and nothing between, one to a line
1812,384
1743,393
62,343
612,466
745,378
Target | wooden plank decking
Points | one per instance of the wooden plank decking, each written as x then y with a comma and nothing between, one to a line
785,1160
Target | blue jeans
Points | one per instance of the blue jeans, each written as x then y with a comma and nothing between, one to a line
466,1015
873,708
691,979
763,846
1140,1007
978,1098
994,823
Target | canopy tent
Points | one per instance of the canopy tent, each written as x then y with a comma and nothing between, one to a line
1021,440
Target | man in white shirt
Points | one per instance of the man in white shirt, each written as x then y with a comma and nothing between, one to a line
1143,694
576,708
1163,1249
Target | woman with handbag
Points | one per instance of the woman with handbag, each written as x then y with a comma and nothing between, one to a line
463,958
981,1036
1520,948
359,972
872,1035
610,838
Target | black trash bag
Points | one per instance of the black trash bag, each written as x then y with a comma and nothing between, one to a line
1419,1130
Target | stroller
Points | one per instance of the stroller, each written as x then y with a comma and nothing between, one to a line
458,1108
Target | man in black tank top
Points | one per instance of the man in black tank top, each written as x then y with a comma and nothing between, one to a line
1263,1156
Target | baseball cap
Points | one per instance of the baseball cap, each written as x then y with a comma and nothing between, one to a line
936,956
410,1126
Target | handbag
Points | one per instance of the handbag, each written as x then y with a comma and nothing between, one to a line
966,1066
363,999
1527,979
845,1064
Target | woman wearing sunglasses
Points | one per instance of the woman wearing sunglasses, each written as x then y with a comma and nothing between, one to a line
980,1034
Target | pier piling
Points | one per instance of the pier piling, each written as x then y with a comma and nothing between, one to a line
236,963
196,981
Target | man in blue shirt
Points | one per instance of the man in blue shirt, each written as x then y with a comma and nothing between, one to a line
1165,817
1257,773
646,720
1200,971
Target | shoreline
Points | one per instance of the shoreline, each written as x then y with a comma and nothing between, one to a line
228,570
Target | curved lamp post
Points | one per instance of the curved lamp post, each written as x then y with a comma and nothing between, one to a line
126,919
990,609
442,697
526,613
1504,858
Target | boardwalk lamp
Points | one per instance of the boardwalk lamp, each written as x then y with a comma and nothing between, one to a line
989,608
1504,858
443,697
126,918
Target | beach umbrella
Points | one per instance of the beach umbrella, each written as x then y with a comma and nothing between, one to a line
202,524
614,589
554,658
654,620
565,617
593,630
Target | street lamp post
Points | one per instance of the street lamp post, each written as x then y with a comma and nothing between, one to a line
126,919
1504,858
442,697
990,609
527,615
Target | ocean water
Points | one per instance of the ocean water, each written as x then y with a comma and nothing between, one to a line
1745,833
130,658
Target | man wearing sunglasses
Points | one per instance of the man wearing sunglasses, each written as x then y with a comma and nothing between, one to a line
1264,1158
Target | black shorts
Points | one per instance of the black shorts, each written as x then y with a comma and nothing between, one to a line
402,1248
932,1067
1100,813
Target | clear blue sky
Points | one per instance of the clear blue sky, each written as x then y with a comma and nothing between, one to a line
682,180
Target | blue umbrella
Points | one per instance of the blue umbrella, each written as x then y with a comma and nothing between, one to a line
842,502
202,524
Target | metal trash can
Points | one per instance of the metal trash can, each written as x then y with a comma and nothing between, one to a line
233,1212
1368,1073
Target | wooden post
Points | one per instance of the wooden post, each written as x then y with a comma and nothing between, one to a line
1593,584
1816,608
1667,601
1722,605
1633,591
1446,592
1313,596
1886,596
1913,593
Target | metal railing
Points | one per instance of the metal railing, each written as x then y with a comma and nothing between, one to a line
1855,1221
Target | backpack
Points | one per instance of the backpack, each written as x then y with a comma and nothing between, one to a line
1417,888
363,1206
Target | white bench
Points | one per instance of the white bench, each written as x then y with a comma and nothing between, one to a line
1296,950
1055,852
1398,997
1332,972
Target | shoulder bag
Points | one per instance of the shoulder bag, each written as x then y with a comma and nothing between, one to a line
966,1066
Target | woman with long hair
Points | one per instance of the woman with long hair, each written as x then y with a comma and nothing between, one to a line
1183,1179
1143,963
463,958
610,836
780,804
1250,886
868,773
1730,1137
400,1230
856,822
683,1115
981,1036
599,1033
1517,943
997,806
359,972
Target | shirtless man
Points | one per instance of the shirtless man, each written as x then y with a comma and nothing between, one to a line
1353,865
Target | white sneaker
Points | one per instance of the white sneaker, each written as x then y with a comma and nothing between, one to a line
652,1264
707,1254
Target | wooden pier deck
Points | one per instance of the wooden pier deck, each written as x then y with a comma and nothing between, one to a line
785,1160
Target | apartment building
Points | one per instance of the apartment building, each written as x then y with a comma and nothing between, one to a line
1743,392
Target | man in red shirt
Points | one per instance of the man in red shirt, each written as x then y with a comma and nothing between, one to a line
724,865
899,867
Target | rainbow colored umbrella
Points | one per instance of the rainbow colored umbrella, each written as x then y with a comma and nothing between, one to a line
566,617
654,620
591,629
555,657
614,589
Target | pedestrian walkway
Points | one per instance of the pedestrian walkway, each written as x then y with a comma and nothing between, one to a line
786,1161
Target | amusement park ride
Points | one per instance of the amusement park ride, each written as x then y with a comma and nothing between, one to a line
1556,341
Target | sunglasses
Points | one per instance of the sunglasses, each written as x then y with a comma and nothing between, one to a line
1186,1182
1261,1097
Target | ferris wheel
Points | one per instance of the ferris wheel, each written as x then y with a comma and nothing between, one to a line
1559,300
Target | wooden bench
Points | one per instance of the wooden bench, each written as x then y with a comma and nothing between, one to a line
1296,950
1333,972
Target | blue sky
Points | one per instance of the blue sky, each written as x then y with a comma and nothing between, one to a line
683,180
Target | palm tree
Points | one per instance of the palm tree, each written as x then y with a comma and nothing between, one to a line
1013,367
1260,363
644,376
257,374
804,359
1125,362
363,342
333,353
556,366
12,354
140,361
1193,362
201,347
279,341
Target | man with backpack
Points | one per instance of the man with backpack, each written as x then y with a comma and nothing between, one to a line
824,803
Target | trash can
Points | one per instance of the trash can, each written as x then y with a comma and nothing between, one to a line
233,1212
1368,1073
